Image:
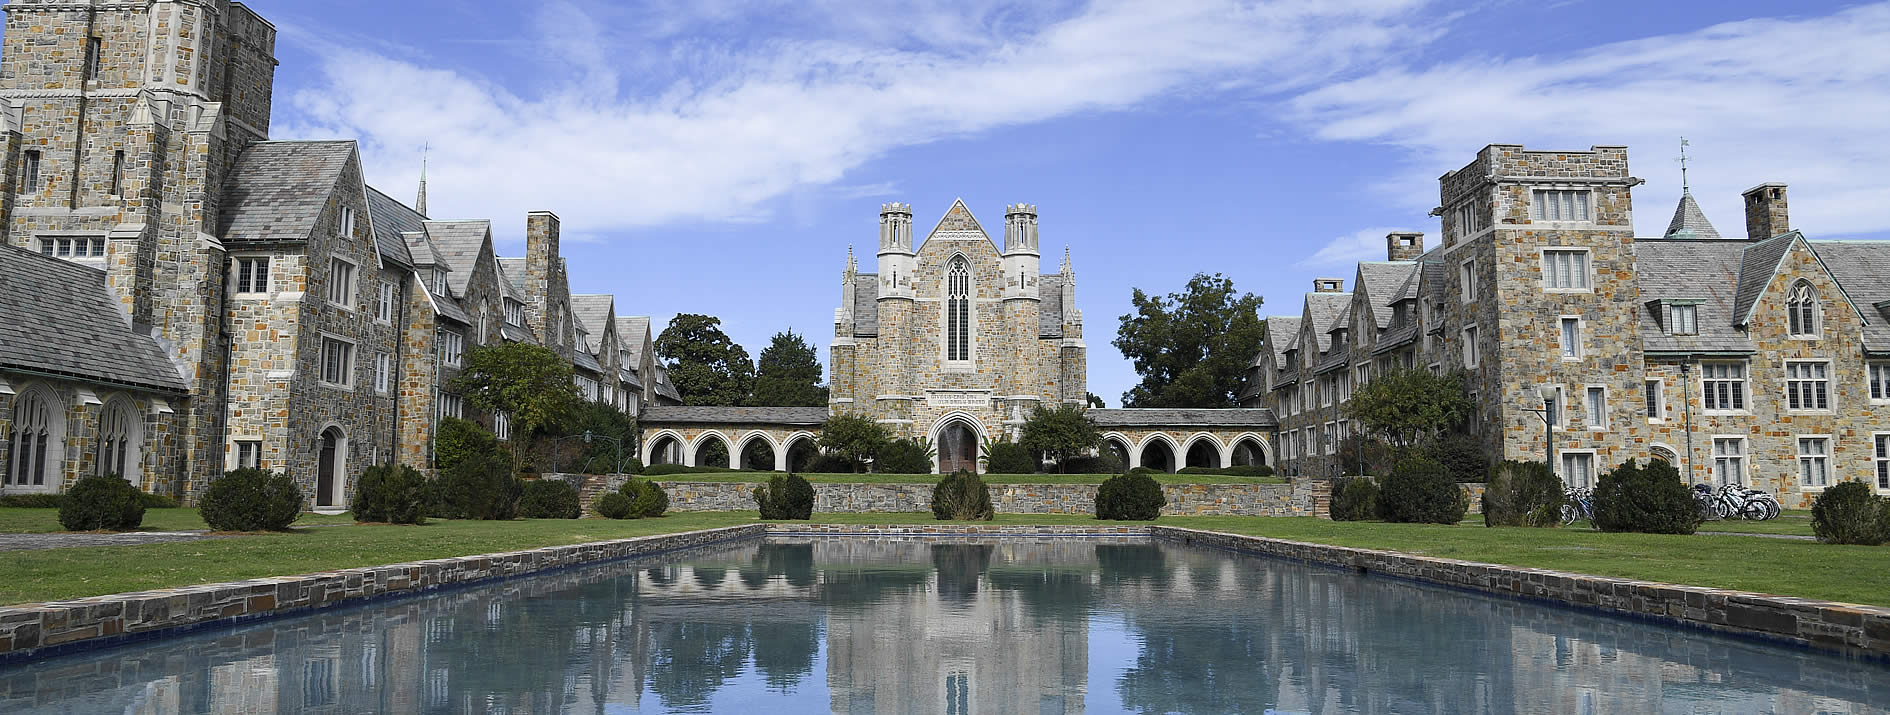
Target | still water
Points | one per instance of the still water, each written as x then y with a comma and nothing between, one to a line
867,625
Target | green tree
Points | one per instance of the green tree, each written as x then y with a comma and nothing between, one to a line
1191,348
706,366
1405,406
788,374
853,438
1095,401
1061,432
529,382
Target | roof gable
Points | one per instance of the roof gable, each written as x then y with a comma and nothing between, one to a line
596,313
390,219
1762,263
61,318
460,244
276,191
959,224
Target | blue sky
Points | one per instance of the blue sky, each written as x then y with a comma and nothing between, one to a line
718,156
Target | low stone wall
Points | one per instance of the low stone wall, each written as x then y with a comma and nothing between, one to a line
1825,625
953,530
1302,497
40,629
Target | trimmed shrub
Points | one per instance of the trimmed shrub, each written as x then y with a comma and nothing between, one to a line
1130,497
158,501
1851,513
830,464
250,499
391,493
1354,499
658,470
1649,499
1105,463
1462,455
475,489
903,456
785,497
457,440
612,505
646,499
1419,490
107,502
962,496
1523,494
549,499
1009,458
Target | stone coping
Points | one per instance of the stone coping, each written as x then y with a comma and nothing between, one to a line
38,630
1844,628
798,529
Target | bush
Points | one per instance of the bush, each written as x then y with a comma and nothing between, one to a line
32,501
1359,451
1523,494
474,489
1008,457
613,505
903,456
107,502
549,499
1649,499
250,499
785,497
395,494
158,501
1354,499
830,464
1420,490
1151,471
1249,470
1130,497
456,440
1105,463
646,499
1850,513
962,496
634,465
1462,455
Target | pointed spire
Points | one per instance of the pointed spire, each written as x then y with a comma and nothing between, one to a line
1688,220
420,203
852,264
1066,259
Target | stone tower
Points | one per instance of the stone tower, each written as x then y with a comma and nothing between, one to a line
119,122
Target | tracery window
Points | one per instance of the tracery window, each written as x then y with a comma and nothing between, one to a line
958,311
118,441
39,432
1801,309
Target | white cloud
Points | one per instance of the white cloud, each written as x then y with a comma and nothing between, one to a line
749,123
1366,244
1800,100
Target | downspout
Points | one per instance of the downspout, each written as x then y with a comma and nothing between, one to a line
1686,399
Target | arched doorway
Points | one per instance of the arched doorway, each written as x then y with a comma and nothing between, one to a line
1249,453
666,450
1157,455
712,452
800,453
957,448
329,466
758,454
1204,453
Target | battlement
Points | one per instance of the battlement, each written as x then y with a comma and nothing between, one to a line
896,208
1514,164
1020,210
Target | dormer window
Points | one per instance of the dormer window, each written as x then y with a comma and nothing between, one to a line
514,313
1801,310
439,282
1683,319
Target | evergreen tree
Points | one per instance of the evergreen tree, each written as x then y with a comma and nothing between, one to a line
788,374
706,366
1191,348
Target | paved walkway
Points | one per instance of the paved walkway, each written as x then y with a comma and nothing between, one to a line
31,542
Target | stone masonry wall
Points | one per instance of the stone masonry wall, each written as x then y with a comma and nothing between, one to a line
1301,498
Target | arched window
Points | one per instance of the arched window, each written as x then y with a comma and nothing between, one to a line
958,311
39,441
1801,308
118,440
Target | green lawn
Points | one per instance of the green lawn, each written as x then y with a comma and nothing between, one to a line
758,477
1794,522
40,521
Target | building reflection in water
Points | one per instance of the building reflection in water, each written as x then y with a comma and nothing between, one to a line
861,625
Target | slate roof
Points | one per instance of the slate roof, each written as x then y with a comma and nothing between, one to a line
797,416
1325,309
1705,270
277,190
594,312
512,278
1756,268
1689,221
1861,267
586,361
459,243
390,219
664,387
1050,306
629,376
449,309
1165,417
631,329
515,334
61,318
866,305
1281,331
421,250
1382,282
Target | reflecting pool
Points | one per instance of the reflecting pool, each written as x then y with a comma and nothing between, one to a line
889,625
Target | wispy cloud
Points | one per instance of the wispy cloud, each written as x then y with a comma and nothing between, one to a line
1365,244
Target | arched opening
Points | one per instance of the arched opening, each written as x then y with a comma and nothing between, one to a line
1120,448
1801,309
801,453
1249,453
37,462
1203,453
957,448
758,454
666,450
958,310
330,464
1157,455
712,452
120,440
1666,454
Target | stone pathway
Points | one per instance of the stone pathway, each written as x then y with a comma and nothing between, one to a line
31,542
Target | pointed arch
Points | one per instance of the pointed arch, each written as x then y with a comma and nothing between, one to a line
666,447
37,458
958,318
121,441
697,450
957,436
800,450
1206,449
331,466
762,440
1122,446
1250,449
1165,453
1803,309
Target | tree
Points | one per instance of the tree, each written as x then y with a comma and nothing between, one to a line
1192,348
1095,401
1405,406
1061,432
853,438
530,383
706,366
788,374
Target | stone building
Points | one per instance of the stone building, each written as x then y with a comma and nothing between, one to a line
181,296
1762,361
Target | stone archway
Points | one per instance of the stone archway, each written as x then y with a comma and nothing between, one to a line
331,467
1120,447
1203,452
957,446
1159,454
712,451
666,448
1249,451
758,454
801,451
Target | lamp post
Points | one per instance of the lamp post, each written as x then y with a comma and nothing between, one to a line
1546,412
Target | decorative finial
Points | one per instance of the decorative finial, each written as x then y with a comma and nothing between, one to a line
1684,188
1066,258
851,263
420,203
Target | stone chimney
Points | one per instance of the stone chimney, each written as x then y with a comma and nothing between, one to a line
1403,246
1328,285
541,267
1766,214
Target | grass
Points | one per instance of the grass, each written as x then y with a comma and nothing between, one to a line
43,521
758,477
1794,522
